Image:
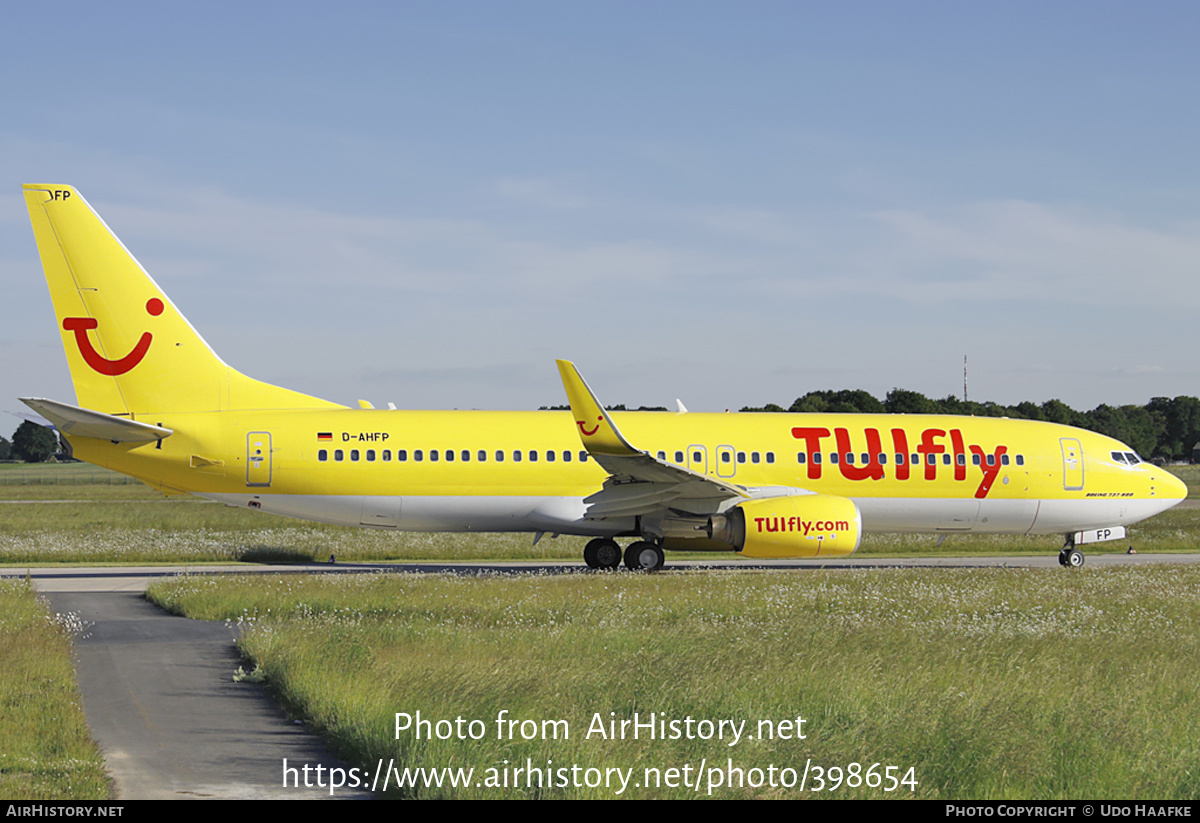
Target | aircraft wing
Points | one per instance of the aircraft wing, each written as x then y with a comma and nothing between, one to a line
638,484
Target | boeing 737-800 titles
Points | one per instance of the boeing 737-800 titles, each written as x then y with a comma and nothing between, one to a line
155,402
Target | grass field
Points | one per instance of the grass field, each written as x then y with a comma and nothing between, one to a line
984,683
46,752
62,474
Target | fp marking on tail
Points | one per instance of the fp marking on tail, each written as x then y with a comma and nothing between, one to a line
101,364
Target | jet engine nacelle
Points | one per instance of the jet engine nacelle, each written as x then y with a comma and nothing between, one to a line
808,525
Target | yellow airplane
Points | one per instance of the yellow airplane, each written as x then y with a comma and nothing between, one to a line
155,402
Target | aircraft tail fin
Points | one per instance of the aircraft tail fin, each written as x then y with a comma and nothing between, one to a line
129,349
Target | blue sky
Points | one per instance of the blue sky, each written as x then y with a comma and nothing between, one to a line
730,203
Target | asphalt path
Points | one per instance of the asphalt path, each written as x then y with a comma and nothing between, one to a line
159,693
159,696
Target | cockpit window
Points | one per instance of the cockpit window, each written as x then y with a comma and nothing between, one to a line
1118,457
1132,458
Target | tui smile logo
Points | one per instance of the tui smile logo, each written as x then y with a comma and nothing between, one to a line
101,364
582,424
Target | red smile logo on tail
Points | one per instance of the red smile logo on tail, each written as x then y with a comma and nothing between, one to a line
582,424
81,325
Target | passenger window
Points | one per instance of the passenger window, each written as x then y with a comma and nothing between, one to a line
481,456
370,455
466,455
679,457
449,455
499,455
1004,460
433,455
849,458
533,455
549,456
975,460
583,457
916,459
754,457
899,459
817,458
662,455
801,457
741,457
402,455
696,457
338,455
387,455
418,455
516,455
566,457
866,458
945,460
882,459
770,457
833,458
932,459
1020,460
354,454
724,456
323,455
991,459
962,459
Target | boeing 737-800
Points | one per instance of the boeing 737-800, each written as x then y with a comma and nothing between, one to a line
155,402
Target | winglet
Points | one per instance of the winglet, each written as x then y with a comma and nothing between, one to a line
596,429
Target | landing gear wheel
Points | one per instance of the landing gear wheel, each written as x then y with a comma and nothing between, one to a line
643,556
602,553
1072,558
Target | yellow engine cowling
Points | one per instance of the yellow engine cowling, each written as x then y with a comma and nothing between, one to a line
807,525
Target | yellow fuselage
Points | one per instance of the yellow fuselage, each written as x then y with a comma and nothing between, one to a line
906,473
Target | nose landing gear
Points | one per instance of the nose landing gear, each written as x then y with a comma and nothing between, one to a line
1070,557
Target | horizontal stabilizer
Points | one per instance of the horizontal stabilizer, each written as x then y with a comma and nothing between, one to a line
87,423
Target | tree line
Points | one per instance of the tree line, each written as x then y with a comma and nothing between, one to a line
1165,427
31,443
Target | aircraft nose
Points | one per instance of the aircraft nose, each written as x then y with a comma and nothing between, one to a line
1173,487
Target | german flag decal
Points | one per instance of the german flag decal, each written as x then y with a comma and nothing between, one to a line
324,435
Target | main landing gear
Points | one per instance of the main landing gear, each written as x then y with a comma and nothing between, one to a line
1070,557
604,553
